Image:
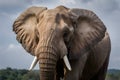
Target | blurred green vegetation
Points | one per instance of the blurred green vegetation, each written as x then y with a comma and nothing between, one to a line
113,74
14,74
22,74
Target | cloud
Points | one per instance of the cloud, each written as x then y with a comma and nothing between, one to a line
6,34
115,58
12,47
102,6
13,6
15,56
105,5
45,3
68,1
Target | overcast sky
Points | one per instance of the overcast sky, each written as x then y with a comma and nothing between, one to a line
13,55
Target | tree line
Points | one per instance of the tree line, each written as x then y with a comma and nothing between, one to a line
113,74
14,74
23,74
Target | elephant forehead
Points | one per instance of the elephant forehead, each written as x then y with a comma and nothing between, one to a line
54,12
55,16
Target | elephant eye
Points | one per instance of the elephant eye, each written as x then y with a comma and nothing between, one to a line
66,33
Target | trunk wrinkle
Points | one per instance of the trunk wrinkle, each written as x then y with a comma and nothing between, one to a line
48,49
47,60
47,56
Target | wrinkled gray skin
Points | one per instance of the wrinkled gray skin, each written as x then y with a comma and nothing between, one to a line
50,34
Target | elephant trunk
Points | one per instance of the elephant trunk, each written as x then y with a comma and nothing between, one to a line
47,61
47,56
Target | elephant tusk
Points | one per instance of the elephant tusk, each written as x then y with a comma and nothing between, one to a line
33,63
67,62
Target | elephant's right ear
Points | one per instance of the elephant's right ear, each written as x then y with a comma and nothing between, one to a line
25,28
89,30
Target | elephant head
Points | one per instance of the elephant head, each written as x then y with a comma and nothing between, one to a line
51,34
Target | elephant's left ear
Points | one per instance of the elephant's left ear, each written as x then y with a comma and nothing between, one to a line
89,30
25,27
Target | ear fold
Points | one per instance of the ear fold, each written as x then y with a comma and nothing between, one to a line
25,28
89,31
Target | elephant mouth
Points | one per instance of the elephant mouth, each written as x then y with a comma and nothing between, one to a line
65,59
49,63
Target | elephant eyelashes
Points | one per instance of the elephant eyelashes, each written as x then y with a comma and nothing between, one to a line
66,33
65,36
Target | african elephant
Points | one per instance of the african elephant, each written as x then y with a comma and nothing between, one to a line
74,36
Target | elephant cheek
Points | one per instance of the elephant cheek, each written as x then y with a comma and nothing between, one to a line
62,49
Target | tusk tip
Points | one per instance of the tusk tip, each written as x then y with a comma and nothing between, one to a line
67,63
29,69
70,69
33,64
